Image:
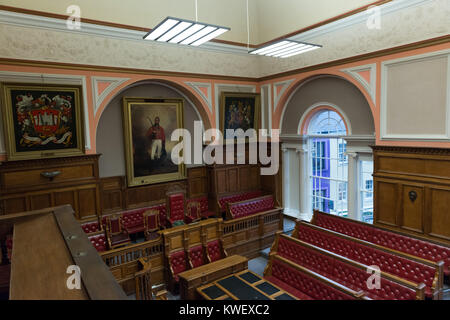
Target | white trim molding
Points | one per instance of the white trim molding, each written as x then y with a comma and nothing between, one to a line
327,104
267,89
48,78
113,84
276,96
196,87
371,87
384,93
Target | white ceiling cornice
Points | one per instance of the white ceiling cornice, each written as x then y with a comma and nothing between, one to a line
36,21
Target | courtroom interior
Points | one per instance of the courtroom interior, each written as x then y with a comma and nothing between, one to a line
225,150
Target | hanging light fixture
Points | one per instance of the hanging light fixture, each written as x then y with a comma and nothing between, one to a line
285,48
181,31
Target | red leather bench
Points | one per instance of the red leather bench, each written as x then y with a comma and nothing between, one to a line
196,256
249,207
99,241
91,227
223,201
350,274
203,206
404,266
386,238
305,284
133,220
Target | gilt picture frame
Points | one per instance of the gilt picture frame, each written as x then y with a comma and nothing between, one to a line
42,120
148,125
239,111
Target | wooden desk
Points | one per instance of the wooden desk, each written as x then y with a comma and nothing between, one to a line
245,285
44,245
192,279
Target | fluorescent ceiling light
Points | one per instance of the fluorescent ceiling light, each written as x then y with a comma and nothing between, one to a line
285,49
181,31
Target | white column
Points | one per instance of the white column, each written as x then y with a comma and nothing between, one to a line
353,186
291,185
305,205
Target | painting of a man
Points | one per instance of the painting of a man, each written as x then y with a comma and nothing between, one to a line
149,147
157,140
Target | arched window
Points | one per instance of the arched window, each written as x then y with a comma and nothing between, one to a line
328,162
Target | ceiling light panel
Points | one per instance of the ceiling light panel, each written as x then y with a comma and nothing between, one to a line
285,49
181,31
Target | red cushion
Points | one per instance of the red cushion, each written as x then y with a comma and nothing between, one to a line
250,207
99,242
90,227
417,247
196,256
388,262
176,203
238,197
178,262
214,250
306,284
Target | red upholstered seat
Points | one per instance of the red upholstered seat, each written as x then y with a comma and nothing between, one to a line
250,207
204,207
196,257
193,212
390,263
132,217
214,250
151,220
99,242
393,240
177,262
343,273
306,284
133,221
176,209
116,235
223,201
91,227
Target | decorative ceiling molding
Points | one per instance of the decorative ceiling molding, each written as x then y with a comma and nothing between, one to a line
38,21
204,89
102,87
279,88
47,78
367,76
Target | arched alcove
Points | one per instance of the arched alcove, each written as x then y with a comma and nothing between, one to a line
110,138
328,90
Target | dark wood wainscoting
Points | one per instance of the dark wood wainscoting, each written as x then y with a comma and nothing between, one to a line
412,190
37,184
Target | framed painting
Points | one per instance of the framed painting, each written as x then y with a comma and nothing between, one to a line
148,126
239,111
42,121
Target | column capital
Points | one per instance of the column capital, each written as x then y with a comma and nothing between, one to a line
353,155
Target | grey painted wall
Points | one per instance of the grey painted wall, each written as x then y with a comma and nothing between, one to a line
332,90
110,142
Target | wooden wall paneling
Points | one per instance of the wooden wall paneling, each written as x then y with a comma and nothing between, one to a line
197,182
412,209
425,171
439,213
23,186
112,194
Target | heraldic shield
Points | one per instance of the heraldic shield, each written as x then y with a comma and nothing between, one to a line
42,121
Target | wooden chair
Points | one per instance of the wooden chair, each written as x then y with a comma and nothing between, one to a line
116,235
194,212
151,223
175,208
